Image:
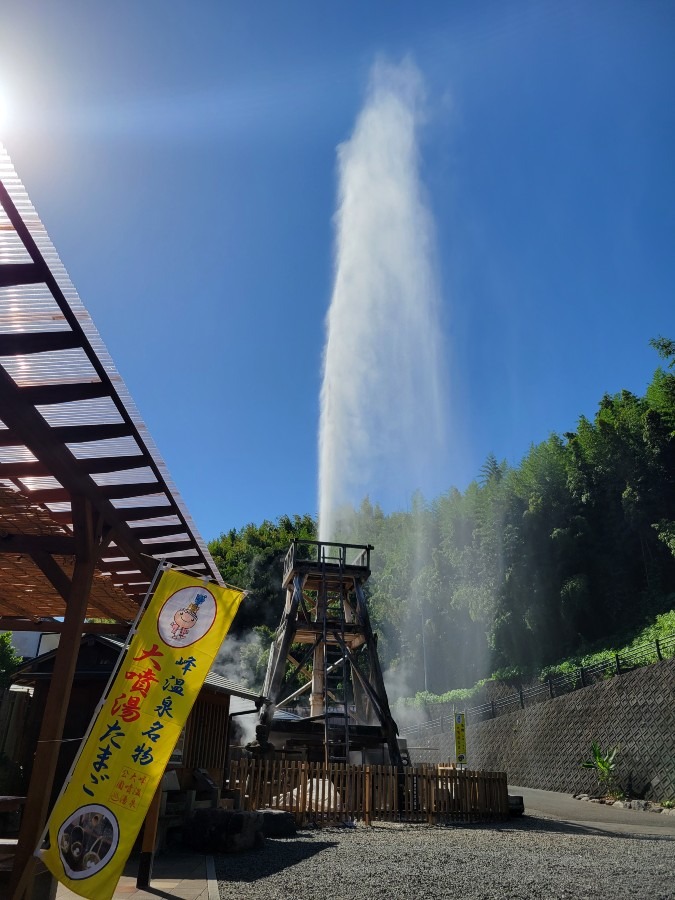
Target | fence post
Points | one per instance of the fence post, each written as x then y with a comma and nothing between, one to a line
522,700
581,674
432,775
550,687
658,650
304,785
367,795
618,663
494,709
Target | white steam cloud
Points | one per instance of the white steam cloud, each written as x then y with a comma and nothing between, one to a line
381,427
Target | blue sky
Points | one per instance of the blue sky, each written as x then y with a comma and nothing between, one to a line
182,157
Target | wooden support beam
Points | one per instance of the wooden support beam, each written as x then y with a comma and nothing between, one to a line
49,495
21,342
105,464
60,544
155,531
14,274
24,470
48,394
54,626
87,534
81,434
129,492
52,571
138,513
14,606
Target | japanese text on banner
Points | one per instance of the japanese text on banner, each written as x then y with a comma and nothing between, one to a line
94,824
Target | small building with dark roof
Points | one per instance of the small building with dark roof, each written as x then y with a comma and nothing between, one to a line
203,745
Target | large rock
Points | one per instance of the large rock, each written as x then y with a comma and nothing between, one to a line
278,823
223,831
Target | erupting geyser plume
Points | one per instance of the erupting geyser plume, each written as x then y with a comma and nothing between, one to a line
381,426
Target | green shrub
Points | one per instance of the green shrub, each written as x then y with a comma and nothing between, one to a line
604,766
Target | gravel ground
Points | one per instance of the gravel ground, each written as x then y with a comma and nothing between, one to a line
522,859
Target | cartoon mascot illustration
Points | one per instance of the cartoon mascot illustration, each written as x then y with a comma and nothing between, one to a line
186,618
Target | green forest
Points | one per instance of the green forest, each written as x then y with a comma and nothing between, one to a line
571,550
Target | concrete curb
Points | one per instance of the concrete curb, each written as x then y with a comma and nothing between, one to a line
211,880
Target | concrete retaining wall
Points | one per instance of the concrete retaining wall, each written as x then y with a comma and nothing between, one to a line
541,746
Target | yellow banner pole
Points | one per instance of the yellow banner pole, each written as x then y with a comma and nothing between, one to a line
162,567
118,771
149,840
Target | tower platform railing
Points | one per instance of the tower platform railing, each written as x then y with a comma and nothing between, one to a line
313,555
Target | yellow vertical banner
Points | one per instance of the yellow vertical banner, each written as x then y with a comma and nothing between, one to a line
460,739
95,822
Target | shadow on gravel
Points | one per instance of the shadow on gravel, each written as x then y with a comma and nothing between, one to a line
551,826
274,856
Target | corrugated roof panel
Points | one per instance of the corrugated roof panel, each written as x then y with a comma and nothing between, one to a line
59,506
146,500
142,475
12,249
169,539
16,454
125,446
174,554
98,411
51,367
30,308
153,523
44,483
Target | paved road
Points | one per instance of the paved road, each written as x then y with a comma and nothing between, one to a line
596,816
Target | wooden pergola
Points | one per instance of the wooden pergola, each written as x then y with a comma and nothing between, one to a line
87,506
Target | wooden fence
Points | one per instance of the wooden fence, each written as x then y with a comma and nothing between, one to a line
326,795
14,707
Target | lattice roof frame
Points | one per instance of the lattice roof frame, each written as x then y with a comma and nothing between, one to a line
69,426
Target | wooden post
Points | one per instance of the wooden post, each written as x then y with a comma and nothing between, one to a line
304,777
51,731
149,840
432,778
658,650
367,795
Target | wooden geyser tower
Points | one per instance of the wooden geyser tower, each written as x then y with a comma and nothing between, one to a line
325,637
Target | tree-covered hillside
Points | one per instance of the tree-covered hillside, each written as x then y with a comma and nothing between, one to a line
252,558
531,563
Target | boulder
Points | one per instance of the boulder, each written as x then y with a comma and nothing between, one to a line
278,823
223,831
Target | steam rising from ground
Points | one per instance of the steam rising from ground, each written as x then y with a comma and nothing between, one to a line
237,661
381,426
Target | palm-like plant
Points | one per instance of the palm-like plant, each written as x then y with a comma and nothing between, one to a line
604,766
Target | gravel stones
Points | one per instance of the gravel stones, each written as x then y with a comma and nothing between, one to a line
525,859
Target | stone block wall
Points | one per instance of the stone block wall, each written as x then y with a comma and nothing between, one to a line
541,746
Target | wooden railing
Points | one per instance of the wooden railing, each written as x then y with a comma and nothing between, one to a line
327,794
